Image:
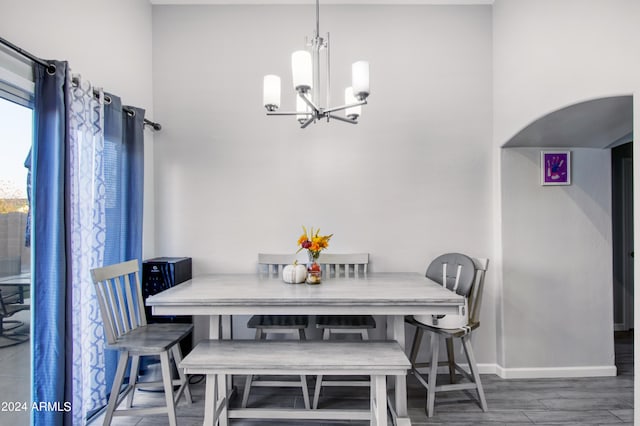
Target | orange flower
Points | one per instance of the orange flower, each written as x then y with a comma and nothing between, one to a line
312,240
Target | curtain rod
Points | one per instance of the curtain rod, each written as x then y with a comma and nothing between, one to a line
51,68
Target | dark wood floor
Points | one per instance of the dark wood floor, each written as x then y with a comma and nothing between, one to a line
584,401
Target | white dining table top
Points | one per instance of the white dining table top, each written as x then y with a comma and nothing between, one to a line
377,293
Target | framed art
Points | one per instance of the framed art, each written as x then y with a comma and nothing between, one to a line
555,167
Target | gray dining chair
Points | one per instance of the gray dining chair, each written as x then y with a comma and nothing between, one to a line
465,276
272,265
342,265
122,309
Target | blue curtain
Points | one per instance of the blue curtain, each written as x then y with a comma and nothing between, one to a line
54,279
124,166
49,244
124,171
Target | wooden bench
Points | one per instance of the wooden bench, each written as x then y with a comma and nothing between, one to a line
218,358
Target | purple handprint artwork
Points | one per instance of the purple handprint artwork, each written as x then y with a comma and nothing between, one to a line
555,168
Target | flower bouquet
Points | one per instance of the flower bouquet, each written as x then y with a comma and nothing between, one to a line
314,243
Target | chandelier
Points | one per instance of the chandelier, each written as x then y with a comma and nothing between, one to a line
305,67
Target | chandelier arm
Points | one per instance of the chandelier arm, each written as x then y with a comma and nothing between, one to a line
346,120
309,102
343,107
306,123
289,113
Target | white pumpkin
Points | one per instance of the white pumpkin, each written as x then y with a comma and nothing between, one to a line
294,274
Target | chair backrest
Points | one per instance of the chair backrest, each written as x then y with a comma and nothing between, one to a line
344,265
475,297
3,309
273,264
455,271
120,298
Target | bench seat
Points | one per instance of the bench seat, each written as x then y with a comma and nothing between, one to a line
218,358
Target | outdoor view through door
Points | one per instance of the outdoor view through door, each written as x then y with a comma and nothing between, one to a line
15,144
16,124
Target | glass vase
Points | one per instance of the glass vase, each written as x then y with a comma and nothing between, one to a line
314,272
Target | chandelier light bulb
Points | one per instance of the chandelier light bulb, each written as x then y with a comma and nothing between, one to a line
360,79
271,92
301,67
354,112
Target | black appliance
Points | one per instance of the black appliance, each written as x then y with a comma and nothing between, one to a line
159,274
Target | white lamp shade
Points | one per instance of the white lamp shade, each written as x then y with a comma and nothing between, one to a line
301,106
302,71
271,92
349,98
360,79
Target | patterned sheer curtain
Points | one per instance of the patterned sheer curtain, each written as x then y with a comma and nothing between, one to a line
87,243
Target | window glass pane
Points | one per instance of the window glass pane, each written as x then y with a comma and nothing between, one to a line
15,143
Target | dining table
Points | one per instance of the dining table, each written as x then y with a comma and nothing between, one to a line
392,295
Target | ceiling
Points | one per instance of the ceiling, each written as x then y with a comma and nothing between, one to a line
389,2
598,123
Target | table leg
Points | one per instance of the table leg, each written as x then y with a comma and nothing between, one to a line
227,332
214,327
395,331
210,399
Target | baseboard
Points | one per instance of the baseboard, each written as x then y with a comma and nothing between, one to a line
540,373
556,372
620,327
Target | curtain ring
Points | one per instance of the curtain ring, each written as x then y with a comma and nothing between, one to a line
51,69
131,113
107,99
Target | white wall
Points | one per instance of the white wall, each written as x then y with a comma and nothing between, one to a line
108,42
412,180
557,263
556,307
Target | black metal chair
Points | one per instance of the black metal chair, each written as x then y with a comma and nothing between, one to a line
10,334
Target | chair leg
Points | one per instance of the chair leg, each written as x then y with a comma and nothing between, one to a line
415,346
184,380
223,419
466,344
168,387
451,360
115,389
303,379
316,393
433,374
133,378
326,335
247,389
